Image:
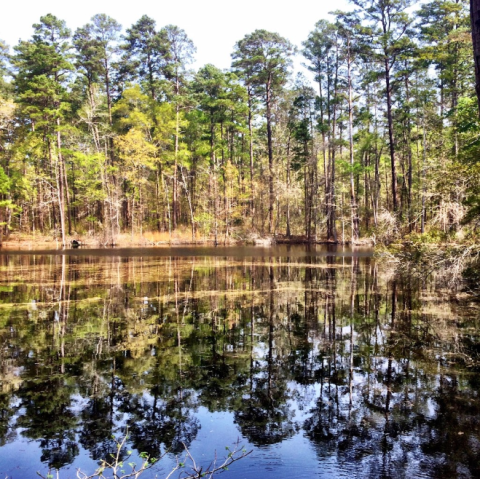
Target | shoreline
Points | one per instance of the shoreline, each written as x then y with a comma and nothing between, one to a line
45,243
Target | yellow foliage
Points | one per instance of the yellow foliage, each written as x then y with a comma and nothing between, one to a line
136,153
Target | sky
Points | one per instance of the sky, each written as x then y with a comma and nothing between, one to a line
213,25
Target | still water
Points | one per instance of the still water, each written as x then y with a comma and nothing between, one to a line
326,364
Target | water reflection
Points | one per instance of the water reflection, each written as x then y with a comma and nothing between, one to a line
376,372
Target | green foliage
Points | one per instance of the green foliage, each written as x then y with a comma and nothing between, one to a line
5,183
433,236
95,45
143,55
262,58
472,200
5,86
42,66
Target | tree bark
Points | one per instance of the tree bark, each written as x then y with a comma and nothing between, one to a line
250,135
61,188
475,21
390,135
270,156
353,201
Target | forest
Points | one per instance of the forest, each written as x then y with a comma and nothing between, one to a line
107,131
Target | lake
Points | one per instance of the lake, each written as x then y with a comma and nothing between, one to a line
324,362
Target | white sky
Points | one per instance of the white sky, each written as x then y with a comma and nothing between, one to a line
213,25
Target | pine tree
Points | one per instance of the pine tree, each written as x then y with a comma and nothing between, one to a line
386,26
42,73
143,58
177,51
264,59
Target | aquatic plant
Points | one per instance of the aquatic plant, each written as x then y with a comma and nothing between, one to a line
116,467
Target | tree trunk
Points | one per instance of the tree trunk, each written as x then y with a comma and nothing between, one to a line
175,167
60,188
390,135
353,201
475,20
250,134
288,232
332,232
270,157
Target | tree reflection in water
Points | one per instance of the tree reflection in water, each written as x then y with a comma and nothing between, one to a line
378,371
